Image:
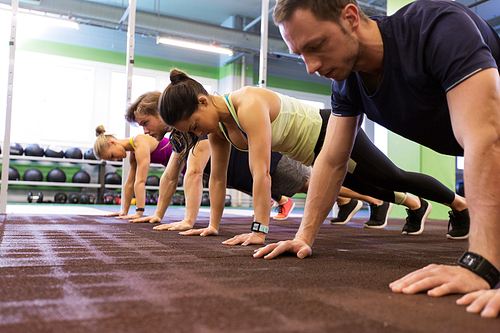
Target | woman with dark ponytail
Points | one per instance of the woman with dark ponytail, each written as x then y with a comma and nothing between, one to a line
184,97
260,120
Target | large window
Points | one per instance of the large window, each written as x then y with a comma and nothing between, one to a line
52,101
118,94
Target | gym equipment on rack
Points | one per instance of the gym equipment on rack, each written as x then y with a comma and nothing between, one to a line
35,198
113,178
33,175
56,175
81,176
34,149
60,197
89,154
73,152
153,180
54,151
16,149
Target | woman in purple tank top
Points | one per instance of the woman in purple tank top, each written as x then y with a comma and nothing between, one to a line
145,150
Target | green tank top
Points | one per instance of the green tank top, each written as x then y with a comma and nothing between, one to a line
295,130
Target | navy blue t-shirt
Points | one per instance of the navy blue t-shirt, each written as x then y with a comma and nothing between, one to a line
430,46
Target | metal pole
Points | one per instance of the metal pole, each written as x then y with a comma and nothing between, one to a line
8,114
129,69
243,71
264,24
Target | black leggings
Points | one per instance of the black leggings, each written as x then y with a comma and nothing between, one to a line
375,175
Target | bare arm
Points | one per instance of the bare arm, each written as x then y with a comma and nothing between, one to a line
193,181
143,158
128,190
254,113
193,187
168,185
475,112
326,178
220,149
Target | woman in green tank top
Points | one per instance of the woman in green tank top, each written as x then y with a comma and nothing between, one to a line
260,120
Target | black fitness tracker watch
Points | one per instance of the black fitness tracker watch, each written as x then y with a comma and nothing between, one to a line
482,267
258,227
139,209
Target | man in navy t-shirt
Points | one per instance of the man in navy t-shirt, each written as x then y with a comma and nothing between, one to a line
429,73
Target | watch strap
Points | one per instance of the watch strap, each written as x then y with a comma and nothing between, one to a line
480,266
139,209
258,227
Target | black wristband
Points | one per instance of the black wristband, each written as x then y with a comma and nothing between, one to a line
480,266
258,227
139,209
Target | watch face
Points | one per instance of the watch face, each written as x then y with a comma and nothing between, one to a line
469,259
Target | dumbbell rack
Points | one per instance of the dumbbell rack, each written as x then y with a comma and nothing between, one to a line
101,186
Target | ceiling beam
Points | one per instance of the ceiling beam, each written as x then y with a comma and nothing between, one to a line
163,25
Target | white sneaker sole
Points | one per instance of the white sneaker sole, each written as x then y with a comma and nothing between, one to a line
349,217
458,238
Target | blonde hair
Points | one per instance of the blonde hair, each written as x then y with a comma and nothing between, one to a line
101,143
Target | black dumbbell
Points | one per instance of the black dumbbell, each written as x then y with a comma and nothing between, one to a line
205,199
35,198
84,199
60,197
227,203
73,198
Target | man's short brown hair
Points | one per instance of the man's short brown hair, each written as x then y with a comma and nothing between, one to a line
146,104
324,10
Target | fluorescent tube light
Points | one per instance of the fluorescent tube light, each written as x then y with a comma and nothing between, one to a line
194,46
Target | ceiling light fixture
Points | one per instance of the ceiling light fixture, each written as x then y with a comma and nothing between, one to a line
194,46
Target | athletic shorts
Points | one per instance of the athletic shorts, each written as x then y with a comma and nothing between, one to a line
289,177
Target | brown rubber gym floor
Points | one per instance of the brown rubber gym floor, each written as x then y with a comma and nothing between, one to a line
84,273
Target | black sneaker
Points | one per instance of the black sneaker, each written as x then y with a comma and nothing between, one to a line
379,215
416,219
346,212
460,224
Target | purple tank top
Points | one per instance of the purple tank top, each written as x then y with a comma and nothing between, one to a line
162,153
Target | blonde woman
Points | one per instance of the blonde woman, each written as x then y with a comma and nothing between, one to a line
145,150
